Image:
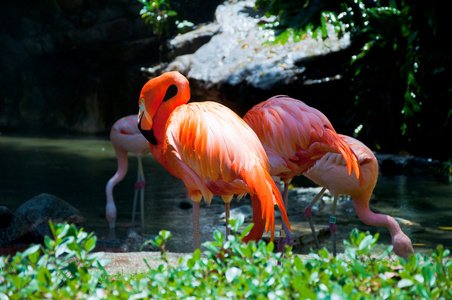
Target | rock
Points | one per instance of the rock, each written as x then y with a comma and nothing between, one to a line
245,210
6,217
135,241
80,51
30,223
74,65
391,164
235,67
191,41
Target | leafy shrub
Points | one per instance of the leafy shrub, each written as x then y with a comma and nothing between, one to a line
227,270
162,18
63,268
398,76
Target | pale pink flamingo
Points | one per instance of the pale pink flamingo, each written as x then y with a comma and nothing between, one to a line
330,172
126,137
211,149
295,136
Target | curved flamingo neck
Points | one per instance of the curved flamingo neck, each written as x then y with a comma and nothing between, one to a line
369,217
121,172
165,109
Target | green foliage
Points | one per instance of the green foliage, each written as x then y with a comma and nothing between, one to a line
398,70
63,268
158,14
161,17
226,270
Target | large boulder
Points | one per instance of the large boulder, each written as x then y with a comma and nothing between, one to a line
236,67
6,217
30,223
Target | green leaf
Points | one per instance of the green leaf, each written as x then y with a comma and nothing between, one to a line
49,242
197,255
232,273
270,247
62,230
90,244
171,13
404,283
218,235
246,231
44,276
366,242
31,250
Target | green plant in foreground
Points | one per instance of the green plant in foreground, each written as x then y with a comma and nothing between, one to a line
226,270
63,268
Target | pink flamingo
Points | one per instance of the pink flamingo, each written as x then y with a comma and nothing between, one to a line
330,172
211,149
295,136
299,139
125,138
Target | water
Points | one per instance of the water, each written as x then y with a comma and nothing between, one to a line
76,170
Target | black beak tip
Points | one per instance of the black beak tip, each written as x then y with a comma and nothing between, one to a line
148,134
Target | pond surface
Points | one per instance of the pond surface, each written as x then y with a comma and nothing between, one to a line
76,170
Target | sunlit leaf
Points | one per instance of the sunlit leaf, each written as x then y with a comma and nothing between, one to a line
232,273
404,283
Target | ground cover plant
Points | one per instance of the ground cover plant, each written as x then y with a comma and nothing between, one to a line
65,268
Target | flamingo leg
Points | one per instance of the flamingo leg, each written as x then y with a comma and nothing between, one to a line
333,226
135,196
227,209
196,225
308,214
286,237
286,194
139,188
142,186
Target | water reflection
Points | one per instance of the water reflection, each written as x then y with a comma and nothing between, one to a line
77,171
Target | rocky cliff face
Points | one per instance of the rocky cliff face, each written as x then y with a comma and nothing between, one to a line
239,69
74,65
71,64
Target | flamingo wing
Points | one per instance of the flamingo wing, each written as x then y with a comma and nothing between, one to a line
127,125
296,135
215,152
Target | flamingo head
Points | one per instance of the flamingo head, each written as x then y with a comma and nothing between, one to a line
402,245
145,123
110,213
153,109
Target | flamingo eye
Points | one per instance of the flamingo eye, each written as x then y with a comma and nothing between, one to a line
148,134
170,93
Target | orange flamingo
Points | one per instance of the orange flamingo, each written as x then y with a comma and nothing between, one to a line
295,136
126,137
330,172
211,149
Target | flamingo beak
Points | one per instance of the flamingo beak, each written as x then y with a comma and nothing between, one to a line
146,130
147,124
